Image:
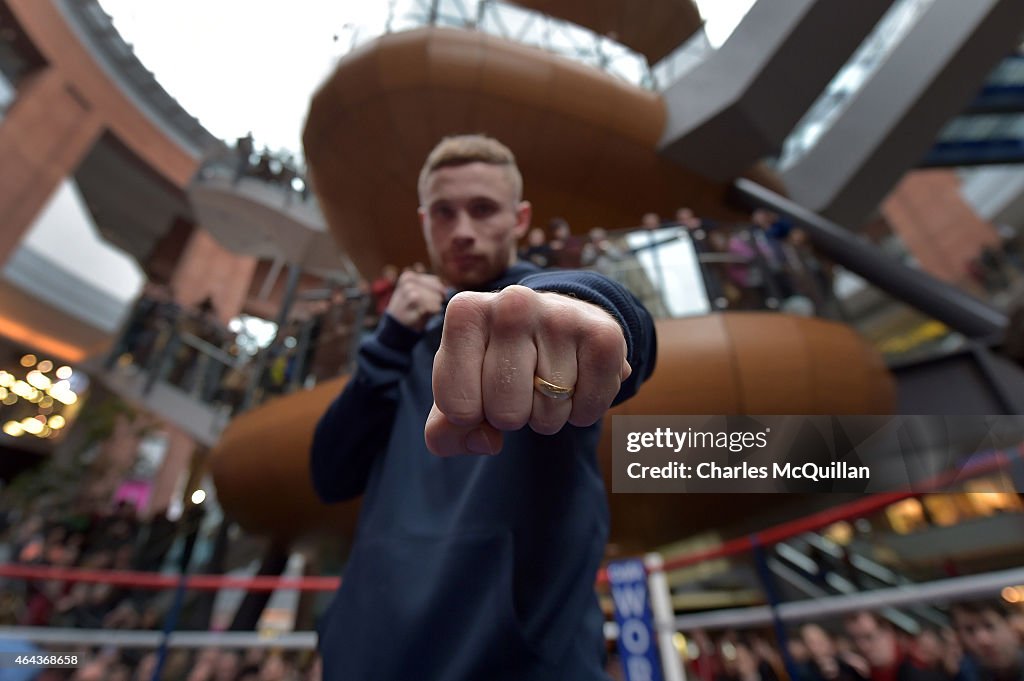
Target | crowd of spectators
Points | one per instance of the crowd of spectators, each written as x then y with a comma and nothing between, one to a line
187,346
765,264
190,348
983,641
93,536
279,169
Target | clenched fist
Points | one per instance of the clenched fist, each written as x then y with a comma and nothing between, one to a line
492,346
416,299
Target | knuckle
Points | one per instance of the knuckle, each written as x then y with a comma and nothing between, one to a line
464,309
512,307
555,323
606,341
464,303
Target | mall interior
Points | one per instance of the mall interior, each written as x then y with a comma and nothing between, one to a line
824,210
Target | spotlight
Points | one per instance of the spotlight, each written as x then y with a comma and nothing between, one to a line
198,497
28,360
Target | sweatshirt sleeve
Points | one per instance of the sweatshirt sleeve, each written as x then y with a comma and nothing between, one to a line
636,322
356,428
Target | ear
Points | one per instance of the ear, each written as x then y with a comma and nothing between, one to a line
524,213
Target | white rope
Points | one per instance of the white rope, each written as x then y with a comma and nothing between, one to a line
939,591
298,640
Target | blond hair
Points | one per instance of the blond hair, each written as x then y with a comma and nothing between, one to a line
462,149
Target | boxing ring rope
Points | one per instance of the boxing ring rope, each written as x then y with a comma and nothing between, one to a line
151,640
938,591
156,582
988,462
944,590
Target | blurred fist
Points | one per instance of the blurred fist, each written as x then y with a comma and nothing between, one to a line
492,346
416,299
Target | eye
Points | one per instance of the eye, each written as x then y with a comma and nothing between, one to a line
442,212
481,210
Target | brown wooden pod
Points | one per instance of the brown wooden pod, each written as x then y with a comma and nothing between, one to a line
731,363
585,141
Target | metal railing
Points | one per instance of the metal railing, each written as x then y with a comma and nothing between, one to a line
169,354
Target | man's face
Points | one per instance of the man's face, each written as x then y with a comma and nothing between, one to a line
876,643
988,637
817,641
471,222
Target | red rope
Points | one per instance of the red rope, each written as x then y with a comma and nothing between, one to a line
773,535
150,580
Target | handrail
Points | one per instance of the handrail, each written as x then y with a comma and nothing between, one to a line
209,349
950,305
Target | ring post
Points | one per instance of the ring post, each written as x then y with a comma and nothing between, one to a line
664,617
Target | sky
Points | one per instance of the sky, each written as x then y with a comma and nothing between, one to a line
64,226
241,65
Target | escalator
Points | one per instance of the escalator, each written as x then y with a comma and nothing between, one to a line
813,566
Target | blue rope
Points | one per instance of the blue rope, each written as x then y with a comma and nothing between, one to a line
170,624
771,592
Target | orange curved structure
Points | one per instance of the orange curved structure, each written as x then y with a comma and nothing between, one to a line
585,141
651,27
732,363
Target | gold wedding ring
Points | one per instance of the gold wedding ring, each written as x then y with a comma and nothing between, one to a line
555,392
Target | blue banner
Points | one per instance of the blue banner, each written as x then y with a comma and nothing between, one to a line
638,642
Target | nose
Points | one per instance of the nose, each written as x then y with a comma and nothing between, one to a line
462,229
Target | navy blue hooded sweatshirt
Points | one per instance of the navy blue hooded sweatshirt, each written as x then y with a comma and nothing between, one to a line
466,567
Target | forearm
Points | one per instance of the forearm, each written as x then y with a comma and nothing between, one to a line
356,427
